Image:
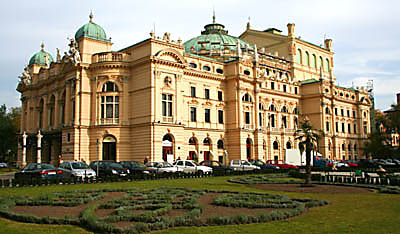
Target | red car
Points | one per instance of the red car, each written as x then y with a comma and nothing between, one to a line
351,163
280,164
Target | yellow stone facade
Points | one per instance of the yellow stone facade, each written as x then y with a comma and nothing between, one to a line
162,100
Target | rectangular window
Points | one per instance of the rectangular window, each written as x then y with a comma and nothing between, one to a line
335,111
343,130
284,88
272,120
167,105
355,128
220,96
193,114
247,117
342,112
295,90
327,126
220,116
337,126
354,114
349,128
207,115
348,113
206,93
260,119
193,91
272,85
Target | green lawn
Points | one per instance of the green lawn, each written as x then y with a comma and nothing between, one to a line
347,213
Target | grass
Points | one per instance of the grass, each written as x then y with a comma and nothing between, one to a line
346,213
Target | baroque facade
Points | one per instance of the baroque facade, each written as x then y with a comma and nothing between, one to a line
215,96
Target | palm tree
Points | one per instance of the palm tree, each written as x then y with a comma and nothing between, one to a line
308,137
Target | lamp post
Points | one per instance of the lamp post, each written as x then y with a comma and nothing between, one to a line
97,154
23,163
39,148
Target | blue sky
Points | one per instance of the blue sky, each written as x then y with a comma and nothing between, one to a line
365,33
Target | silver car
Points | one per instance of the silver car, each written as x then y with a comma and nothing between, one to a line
78,169
163,167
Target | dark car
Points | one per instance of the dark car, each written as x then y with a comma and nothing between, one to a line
43,171
263,165
136,167
217,166
108,168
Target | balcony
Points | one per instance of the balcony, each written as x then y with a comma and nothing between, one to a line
167,119
109,121
110,57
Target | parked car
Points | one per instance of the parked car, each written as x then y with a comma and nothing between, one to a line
351,163
243,165
108,168
41,170
262,164
216,166
78,169
341,164
163,167
136,167
281,164
3,165
190,166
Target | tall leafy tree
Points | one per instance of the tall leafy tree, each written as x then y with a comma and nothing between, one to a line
378,145
9,128
394,118
308,137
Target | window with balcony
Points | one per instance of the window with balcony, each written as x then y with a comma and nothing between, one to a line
207,115
167,107
247,117
206,93
193,91
193,114
327,126
220,95
220,116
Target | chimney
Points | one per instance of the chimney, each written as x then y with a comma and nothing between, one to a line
398,99
328,44
290,28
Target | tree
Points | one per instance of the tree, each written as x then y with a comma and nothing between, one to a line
308,137
394,118
9,128
378,145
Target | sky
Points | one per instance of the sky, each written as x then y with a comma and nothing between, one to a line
365,33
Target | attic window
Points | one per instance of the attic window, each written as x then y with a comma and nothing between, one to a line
193,65
347,95
206,68
352,97
246,72
341,94
326,90
220,71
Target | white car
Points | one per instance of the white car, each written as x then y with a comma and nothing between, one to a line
190,166
341,164
78,169
243,165
163,167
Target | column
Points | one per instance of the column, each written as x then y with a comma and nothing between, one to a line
23,163
39,148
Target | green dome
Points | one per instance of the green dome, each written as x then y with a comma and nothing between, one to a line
40,58
92,31
214,37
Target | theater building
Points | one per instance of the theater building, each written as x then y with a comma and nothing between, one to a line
215,96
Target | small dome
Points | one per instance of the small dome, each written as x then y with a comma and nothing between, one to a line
40,58
92,31
214,37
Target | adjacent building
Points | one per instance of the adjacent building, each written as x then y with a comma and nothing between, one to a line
215,96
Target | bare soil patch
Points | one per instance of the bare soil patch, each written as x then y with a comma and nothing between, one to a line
333,189
61,211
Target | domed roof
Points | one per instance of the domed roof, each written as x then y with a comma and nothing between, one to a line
40,58
92,31
214,37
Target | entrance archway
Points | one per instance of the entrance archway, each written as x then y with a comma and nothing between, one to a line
248,148
167,148
207,148
193,149
109,148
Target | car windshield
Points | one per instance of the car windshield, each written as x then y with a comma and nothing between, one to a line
79,165
259,163
245,163
45,166
137,165
195,163
114,165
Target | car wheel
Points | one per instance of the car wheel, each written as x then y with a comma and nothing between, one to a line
201,173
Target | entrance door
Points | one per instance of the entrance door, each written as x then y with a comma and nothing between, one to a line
167,150
206,155
109,148
192,155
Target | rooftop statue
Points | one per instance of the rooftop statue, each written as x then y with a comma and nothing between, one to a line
25,78
74,52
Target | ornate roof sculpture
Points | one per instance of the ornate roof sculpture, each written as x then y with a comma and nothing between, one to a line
214,41
92,31
41,58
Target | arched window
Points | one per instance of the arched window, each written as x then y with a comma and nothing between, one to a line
220,144
109,103
355,148
246,98
206,68
260,106
275,145
193,65
51,110
314,61
299,57
321,62
272,107
295,111
62,108
284,109
307,59
326,65
343,147
288,145
327,111
206,141
349,147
